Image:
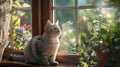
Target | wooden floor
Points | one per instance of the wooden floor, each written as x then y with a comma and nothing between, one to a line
20,64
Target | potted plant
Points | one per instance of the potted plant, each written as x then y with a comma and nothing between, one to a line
106,43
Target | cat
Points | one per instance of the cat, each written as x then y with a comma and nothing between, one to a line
42,49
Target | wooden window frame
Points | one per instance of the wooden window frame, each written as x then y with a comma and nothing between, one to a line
41,12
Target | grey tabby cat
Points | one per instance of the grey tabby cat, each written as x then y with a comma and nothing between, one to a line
43,49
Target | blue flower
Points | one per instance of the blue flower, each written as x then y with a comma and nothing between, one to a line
17,30
21,30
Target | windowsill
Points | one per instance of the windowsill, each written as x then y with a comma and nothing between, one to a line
20,64
65,60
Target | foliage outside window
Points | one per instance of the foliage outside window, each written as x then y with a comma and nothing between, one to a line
78,19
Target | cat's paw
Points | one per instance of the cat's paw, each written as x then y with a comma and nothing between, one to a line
45,64
54,63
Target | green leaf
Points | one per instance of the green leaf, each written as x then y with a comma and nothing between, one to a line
104,36
83,35
95,21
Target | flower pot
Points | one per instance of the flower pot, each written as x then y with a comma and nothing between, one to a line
105,59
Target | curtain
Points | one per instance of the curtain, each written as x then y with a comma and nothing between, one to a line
5,25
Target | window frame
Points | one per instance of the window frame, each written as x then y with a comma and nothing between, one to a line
43,10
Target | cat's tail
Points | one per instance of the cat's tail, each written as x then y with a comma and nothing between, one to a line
17,57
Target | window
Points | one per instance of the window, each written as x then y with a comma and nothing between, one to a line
76,18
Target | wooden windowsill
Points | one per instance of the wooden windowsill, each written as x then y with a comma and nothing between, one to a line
65,60
20,64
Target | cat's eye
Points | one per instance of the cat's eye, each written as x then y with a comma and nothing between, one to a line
55,28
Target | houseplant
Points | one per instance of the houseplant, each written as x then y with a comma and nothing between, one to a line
106,43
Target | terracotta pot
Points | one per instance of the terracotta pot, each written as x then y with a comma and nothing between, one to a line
104,58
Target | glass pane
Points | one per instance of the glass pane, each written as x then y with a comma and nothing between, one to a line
64,15
110,1
64,2
22,24
86,19
67,40
86,2
90,21
105,2
97,2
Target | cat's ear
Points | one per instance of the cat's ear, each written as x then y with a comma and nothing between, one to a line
49,23
57,22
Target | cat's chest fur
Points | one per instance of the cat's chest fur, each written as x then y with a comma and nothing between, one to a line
49,50
45,46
